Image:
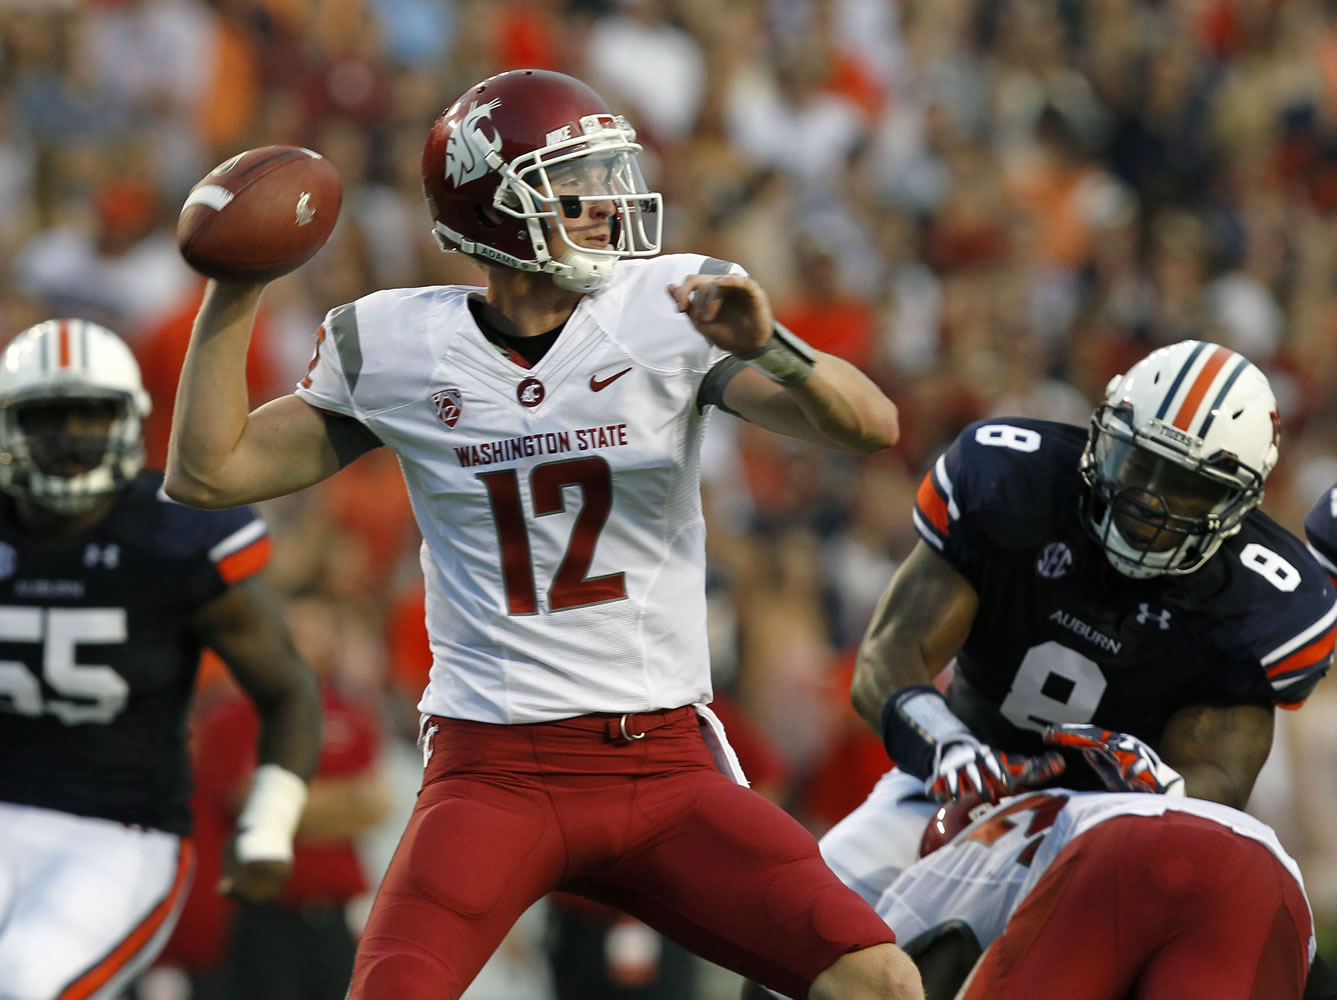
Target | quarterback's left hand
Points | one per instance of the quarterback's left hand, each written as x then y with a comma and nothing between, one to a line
730,310
1124,763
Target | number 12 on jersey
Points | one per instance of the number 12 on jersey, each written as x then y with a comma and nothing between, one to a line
570,588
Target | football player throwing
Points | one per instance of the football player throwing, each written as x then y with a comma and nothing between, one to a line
549,429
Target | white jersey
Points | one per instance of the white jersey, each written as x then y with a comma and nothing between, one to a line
560,508
987,869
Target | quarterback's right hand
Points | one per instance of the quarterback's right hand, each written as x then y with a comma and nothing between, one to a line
964,765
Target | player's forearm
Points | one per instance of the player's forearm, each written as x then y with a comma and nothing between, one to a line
212,399
846,407
887,662
879,673
1207,781
291,718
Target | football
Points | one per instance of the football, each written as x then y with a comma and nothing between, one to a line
260,214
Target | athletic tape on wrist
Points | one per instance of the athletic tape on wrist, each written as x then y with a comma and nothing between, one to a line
784,358
266,825
915,722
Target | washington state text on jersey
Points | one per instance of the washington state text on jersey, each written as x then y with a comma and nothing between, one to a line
549,443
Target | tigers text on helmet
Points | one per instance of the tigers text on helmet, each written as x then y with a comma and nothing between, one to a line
1176,457
517,156
48,372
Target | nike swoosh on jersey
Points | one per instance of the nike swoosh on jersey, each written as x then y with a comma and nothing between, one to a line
598,384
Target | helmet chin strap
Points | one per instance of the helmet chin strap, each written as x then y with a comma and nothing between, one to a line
575,271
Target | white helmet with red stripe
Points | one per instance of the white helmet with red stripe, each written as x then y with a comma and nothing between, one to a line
49,373
1176,457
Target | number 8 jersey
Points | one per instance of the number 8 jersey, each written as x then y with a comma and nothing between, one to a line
563,535
1061,636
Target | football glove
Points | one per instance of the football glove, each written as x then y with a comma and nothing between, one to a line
1123,762
965,766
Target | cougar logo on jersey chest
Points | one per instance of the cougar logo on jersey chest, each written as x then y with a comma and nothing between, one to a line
448,404
530,392
1054,561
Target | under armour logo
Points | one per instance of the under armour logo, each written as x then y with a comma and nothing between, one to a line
1145,616
108,555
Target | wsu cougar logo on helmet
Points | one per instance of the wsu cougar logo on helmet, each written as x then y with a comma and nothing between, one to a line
468,146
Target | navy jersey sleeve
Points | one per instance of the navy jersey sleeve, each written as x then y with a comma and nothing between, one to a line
1321,531
1280,612
997,486
214,548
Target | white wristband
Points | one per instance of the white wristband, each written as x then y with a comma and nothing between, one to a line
785,358
266,825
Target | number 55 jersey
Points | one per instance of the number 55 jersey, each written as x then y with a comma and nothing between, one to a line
98,652
1061,636
559,504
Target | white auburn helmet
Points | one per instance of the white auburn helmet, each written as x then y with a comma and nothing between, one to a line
69,360
1176,457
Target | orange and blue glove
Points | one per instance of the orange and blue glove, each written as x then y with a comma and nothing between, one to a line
1123,762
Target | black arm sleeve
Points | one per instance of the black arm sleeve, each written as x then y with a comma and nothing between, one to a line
351,440
711,392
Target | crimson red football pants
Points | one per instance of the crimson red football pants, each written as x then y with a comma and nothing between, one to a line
1154,908
508,814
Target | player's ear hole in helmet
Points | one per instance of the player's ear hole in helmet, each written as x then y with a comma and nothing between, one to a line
497,173
72,407
1176,456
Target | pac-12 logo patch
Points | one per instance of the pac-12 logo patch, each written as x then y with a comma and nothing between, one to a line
1054,561
448,404
530,392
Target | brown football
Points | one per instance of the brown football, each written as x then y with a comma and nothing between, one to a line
260,214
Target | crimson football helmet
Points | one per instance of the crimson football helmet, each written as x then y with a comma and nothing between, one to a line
1177,456
47,370
518,154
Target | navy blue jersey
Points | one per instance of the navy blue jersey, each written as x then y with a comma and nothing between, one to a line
1060,636
1321,531
97,654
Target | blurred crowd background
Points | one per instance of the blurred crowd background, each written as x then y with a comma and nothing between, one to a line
991,206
